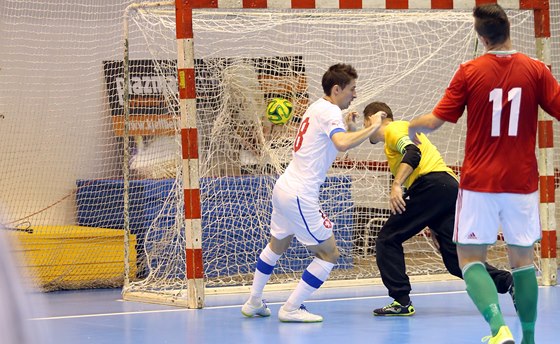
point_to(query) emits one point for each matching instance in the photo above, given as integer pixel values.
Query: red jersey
(502, 92)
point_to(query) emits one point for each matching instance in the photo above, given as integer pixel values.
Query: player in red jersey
(502, 91)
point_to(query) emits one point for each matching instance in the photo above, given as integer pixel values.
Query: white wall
(55, 127)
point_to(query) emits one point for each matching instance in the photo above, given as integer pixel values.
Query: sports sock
(483, 293)
(313, 277)
(265, 264)
(526, 296)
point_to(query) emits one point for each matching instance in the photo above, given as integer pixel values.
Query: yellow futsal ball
(279, 111)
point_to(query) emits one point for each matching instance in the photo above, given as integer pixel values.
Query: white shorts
(298, 216)
(479, 215)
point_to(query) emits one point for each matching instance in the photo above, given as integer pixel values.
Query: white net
(56, 135)
(245, 58)
(61, 128)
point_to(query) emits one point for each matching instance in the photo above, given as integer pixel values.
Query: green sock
(526, 296)
(482, 291)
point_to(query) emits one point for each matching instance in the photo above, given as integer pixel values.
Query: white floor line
(231, 306)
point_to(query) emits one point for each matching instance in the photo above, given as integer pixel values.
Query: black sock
(403, 300)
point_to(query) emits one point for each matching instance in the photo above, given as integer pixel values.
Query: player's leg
(280, 240)
(398, 229)
(521, 227)
(390, 260)
(313, 229)
(526, 289)
(480, 287)
(265, 265)
(443, 231)
(477, 227)
(316, 273)
(503, 279)
(442, 228)
(442, 221)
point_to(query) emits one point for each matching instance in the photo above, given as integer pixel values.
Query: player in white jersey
(323, 133)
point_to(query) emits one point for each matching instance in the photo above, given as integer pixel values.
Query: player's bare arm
(344, 141)
(423, 124)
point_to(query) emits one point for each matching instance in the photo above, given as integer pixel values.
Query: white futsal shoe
(299, 315)
(250, 311)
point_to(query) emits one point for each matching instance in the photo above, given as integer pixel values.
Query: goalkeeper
(429, 201)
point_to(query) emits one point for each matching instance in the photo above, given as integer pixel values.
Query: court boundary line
(339, 299)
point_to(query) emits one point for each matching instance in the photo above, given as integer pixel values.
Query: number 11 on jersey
(514, 96)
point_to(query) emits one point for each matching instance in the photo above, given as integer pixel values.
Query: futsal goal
(201, 159)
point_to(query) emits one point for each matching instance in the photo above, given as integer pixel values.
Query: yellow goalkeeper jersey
(396, 139)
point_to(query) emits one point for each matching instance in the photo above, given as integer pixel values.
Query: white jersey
(313, 150)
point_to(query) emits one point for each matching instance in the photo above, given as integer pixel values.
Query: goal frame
(189, 133)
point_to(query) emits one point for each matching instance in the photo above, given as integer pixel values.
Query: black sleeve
(412, 155)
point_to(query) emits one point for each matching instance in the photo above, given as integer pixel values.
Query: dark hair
(491, 22)
(339, 74)
(372, 108)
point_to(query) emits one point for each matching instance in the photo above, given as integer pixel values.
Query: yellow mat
(74, 257)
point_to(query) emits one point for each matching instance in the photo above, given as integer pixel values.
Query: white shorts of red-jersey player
(298, 216)
(481, 215)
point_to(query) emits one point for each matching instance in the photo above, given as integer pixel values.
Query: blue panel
(235, 219)
(225, 232)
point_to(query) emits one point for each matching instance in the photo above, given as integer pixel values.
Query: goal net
(244, 58)
(62, 95)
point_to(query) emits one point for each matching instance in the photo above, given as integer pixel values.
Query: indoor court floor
(444, 314)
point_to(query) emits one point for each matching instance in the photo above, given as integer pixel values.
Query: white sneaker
(299, 315)
(250, 311)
